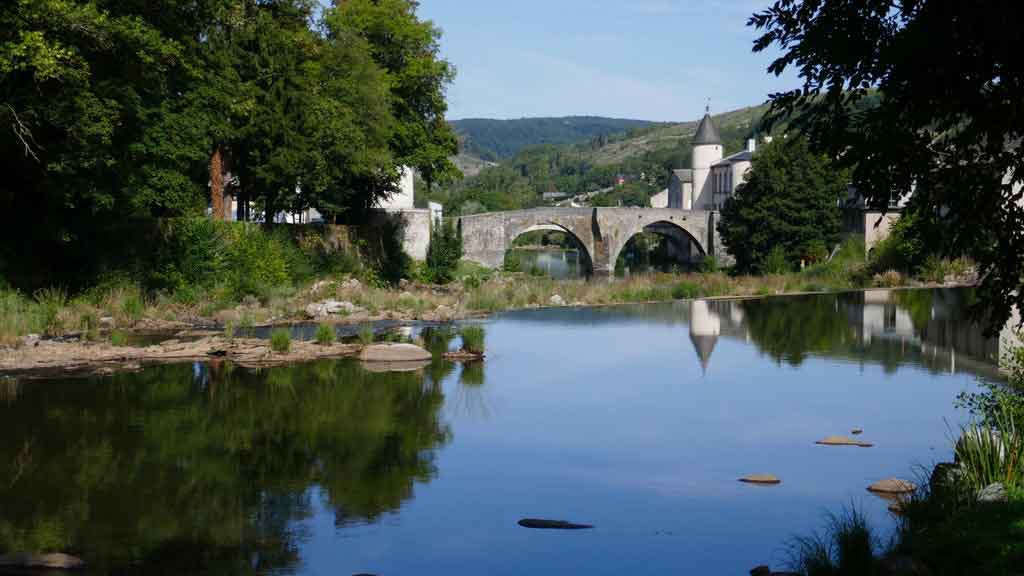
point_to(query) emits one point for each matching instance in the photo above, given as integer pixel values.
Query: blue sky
(645, 59)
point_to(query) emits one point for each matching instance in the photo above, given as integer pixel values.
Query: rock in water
(541, 524)
(56, 561)
(843, 441)
(394, 353)
(761, 479)
(857, 431)
(892, 486)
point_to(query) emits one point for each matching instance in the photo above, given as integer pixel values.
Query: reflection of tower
(705, 326)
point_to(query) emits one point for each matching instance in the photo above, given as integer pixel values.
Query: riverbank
(165, 332)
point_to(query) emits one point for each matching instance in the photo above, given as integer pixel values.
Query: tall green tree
(948, 125)
(408, 49)
(789, 201)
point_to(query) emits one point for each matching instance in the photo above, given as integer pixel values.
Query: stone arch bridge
(602, 232)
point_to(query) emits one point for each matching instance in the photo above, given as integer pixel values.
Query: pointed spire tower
(707, 149)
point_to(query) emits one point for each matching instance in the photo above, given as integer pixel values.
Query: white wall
(404, 198)
(703, 157)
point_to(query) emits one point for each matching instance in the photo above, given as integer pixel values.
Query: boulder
(58, 561)
(557, 300)
(444, 313)
(761, 479)
(351, 284)
(107, 322)
(321, 285)
(843, 441)
(992, 493)
(892, 486)
(394, 353)
(227, 316)
(336, 307)
(316, 310)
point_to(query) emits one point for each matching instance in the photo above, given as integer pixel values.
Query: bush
(50, 303)
(443, 253)
(472, 339)
(89, 324)
(324, 335)
(366, 335)
(132, 305)
(512, 263)
(280, 340)
(889, 279)
(988, 453)
(775, 262)
(709, 265)
(847, 548)
(118, 338)
(685, 291)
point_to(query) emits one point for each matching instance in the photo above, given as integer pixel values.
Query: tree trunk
(217, 184)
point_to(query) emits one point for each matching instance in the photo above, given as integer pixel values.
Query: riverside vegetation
(205, 273)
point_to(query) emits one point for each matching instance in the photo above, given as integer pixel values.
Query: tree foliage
(443, 253)
(114, 108)
(789, 202)
(948, 125)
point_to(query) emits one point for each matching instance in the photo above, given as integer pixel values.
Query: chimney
(751, 145)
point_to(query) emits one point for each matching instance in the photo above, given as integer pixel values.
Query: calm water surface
(637, 419)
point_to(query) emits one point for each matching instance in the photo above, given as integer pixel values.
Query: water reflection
(188, 468)
(556, 263)
(599, 415)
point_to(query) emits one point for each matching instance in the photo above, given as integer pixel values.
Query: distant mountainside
(495, 140)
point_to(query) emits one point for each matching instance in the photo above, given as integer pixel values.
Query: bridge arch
(586, 260)
(682, 246)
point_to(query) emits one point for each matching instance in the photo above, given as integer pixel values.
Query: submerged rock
(394, 353)
(761, 479)
(843, 441)
(58, 561)
(892, 486)
(542, 524)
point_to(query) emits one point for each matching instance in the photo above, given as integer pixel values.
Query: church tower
(707, 149)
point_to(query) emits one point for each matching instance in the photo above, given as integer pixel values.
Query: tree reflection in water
(194, 468)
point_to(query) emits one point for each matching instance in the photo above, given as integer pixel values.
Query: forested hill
(496, 140)
(621, 168)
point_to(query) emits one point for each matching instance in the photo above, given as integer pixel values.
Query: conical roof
(706, 132)
(704, 344)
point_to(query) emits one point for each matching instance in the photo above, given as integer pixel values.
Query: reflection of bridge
(601, 232)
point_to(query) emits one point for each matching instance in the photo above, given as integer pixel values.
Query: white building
(712, 178)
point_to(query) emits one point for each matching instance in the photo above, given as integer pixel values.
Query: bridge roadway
(602, 232)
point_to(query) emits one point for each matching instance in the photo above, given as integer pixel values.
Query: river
(636, 419)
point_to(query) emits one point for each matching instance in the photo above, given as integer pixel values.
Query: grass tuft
(280, 340)
(324, 335)
(472, 339)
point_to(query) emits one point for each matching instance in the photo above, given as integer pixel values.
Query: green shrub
(934, 269)
(89, 324)
(118, 338)
(443, 253)
(50, 303)
(991, 452)
(366, 335)
(132, 305)
(775, 262)
(280, 340)
(513, 262)
(709, 265)
(324, 335)
(229, 330)
(472, 339)
(685, 291)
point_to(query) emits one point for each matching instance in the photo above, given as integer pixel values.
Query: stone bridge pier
(602, 232)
